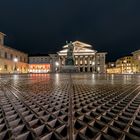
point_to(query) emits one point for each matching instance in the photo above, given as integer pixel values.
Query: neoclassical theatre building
(86, 58)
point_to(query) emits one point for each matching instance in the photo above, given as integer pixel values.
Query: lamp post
(93, 66)
(57, 65)
(15, 61)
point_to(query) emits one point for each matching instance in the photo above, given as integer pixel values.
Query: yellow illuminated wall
(125, 64)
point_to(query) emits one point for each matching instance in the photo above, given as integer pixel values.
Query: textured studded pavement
(69, 107)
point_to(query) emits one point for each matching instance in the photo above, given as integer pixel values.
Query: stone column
(60, 63)
(83, 63)
(75, 60)
(88, 64)
(93, 66)
(2, 38)
(64, 59)
(78, 59)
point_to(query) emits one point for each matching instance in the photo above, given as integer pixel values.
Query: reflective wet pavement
(74, 107)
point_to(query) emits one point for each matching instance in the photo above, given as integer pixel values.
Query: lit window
(90, 62)
(98, 68)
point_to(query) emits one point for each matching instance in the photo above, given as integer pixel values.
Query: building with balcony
(12, 60)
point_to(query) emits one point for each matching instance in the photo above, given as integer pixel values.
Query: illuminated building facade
(112, 69)
(111, 65)
(12, 60)
(136, 58)
(43, 64)
(125, 64)
(86, 59)
(39, 64)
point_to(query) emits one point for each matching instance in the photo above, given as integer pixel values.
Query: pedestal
(69, 69)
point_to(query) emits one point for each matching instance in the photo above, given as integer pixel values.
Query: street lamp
(57, 65)
(15, 60)
(93, 66)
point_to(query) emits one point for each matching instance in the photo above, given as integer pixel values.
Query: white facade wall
(39, 60)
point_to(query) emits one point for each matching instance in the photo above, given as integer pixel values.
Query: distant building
(111, 65)
(43, 63)
(12, 60)
(136, 58)
(125, 64)
(112, 69)
(86, 59)
(39, 64)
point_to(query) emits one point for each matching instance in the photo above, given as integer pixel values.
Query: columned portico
(84, 57)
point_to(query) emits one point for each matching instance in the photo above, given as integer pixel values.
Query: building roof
(10, 48)
(38, 55)
(2, 34)
(79, 44)
(79, 47)
(137, 51)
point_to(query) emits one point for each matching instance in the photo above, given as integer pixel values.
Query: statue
(70, 59)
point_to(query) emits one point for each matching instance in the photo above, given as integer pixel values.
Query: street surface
(69, 107)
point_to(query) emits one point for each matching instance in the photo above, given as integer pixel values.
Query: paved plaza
(69, 107)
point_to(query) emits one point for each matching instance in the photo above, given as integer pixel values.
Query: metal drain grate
(44, 109)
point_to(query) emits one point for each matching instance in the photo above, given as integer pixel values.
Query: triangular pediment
(79, 47)
(79, 44)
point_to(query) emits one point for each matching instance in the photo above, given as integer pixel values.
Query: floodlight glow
(15, 60)
(93, 63)
(56, 63)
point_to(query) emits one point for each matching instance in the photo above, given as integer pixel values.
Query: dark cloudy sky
(41, 26)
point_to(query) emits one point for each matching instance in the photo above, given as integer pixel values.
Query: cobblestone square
(69, 107)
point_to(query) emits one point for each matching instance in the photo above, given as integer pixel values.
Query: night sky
(43, 26)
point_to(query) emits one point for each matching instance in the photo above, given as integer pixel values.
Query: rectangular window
(11, 56)
(81, 62)
(5, 55)
(5, 67)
